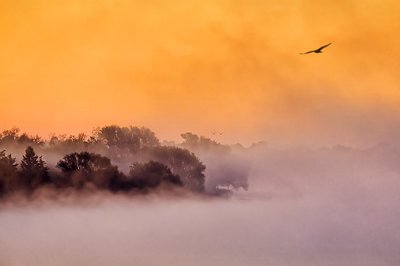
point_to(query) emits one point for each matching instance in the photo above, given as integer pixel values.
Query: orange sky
(233, 66)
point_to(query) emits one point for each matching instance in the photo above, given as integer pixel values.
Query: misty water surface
(332, 207)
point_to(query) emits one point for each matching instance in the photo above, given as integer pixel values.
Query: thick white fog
(334, 206)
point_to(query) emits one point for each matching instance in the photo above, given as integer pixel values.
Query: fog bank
(336, 206)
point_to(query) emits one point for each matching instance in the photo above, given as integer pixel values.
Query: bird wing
(322, 47)
(317, 50)
(308, 52)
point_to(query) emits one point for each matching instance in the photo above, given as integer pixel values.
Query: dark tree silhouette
(86, 167)
(152, 174)
(8, 173)
(183, 163)
(145, 176)
(131, 138)
(33, 170)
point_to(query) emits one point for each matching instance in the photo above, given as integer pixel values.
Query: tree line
(118, 159)
(83, 170)
(93, 161)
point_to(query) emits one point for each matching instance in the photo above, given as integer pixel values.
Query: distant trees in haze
(132, 139)
(182, 162)
(87, 162)
(12, 138)
(94, 161)
(194, 142)
(225, 169)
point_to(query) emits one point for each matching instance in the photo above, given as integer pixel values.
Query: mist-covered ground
(328, 206)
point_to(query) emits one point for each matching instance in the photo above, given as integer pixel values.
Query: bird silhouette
(317, 51)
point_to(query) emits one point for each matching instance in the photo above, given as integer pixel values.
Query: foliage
(84, 167)
(131, 138)
(183, 163)
(8, 173)
(87, 161)
(152, 174)
(33, 170)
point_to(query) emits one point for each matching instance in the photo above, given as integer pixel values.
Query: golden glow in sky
(203, 66)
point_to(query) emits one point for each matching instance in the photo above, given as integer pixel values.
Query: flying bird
(317, 51)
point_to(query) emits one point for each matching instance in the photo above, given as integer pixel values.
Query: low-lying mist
(327, 206)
